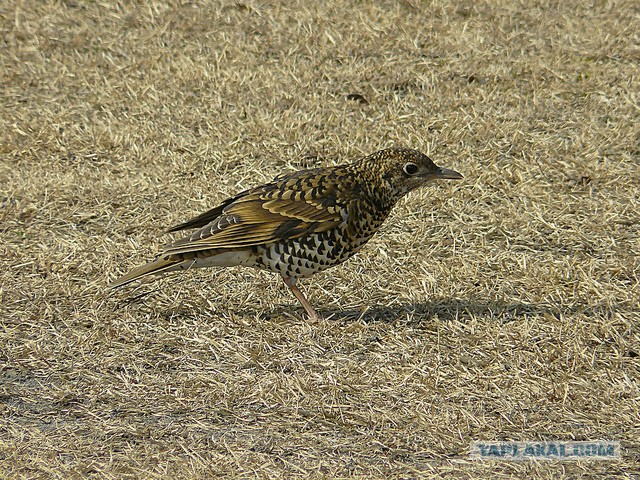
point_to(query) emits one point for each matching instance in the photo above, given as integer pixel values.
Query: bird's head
(404, 169)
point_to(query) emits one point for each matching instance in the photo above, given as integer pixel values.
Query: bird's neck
(375, 187)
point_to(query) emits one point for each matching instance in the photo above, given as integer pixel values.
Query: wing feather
(288, 208)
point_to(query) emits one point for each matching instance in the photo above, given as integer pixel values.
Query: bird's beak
(447, 174)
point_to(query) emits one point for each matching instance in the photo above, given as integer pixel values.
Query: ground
(502, 307)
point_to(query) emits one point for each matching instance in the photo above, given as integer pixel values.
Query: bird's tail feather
(157, 266)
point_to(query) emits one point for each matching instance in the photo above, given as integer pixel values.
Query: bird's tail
(162, 264)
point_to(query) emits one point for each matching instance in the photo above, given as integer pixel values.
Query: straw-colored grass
(504, 307)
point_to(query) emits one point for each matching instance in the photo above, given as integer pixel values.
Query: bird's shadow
(445, 309)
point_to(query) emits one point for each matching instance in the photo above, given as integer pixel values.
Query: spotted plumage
(299, 223)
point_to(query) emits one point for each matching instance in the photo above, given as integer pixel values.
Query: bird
(300, 223)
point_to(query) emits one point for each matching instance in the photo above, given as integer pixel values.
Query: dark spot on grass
(356, 97)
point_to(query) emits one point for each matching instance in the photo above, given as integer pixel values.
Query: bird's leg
(291, 283)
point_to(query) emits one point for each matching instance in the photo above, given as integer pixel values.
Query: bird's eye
(410, 168)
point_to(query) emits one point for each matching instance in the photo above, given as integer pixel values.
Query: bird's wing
(210, 215)
(206, 217)
(290, 207)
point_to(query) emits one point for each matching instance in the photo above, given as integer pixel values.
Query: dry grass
(502, 307)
